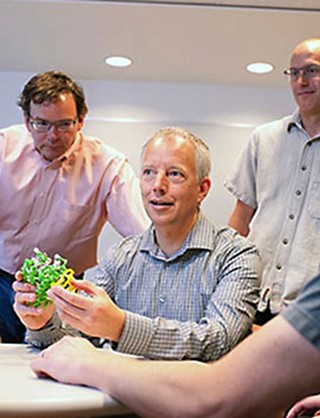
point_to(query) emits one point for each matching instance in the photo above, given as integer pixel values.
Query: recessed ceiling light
(260, 67)
(118, 61)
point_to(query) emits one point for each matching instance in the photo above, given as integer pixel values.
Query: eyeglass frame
(47, 128)
(305, 71)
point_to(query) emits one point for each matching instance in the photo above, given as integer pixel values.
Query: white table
(22, 394)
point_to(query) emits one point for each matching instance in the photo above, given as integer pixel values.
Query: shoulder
(267, 139)
(120, 256)
(271, 129)
(235, 253)
(15, 139)
(96, 147)
(15, 133)
(238, 253)
(124, 250)
(231, 241)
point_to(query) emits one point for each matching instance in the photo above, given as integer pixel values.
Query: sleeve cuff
(303, 323)
(47, 335)
(136, 335)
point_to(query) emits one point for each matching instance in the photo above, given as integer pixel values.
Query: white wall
(125, 114)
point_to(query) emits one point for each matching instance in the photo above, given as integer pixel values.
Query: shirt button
(291, 216)
(298, 192)
(303, 168)
(278, 266)
(162, 299)
(285, 241)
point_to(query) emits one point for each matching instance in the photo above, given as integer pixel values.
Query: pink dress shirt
(62, 205)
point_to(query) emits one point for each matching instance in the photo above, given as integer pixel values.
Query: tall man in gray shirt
(181, 290)
(276, 183)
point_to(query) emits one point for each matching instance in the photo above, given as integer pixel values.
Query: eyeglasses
(308, 72)
(41, 125)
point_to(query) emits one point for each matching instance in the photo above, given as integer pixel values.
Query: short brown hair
(46, 87)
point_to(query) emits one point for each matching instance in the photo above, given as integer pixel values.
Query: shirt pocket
(314, 200)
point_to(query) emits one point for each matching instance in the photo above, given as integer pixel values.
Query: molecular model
(41, 272)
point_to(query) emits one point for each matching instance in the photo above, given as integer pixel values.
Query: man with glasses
(58, 187)
(277, 185)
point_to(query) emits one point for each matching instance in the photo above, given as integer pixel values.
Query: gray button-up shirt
(278, 174)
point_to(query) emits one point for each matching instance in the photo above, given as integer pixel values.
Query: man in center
(181, 290)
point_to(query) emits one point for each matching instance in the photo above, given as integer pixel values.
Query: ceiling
(207, 42)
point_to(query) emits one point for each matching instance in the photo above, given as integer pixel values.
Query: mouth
(302, 93)
(159, 203)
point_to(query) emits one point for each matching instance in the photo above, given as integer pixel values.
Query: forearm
(163, 339)
(283, 369)
(239, 225)
(279, 362)
(150, 389)
(241, 217)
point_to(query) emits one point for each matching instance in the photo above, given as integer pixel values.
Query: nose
(160, 184)
(302, 78)
(52, 132)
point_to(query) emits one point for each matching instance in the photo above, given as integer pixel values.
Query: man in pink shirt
(58, 187)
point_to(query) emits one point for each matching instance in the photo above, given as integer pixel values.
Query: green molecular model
(41, 272)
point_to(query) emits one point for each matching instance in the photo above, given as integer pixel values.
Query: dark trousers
(11, 329)
(262, 318)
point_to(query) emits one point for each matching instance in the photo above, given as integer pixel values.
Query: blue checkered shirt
(196, 304)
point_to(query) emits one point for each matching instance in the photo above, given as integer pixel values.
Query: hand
(33, 318)
(64, 361)
(96, 314)
(307, 407)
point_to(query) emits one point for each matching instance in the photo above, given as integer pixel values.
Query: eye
(312, 71)
(176, 176)
(148, 173)
(64, 124)
(175, 173)
(294, 72)
(41, 123)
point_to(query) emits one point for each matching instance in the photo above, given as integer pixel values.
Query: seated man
(181, 290)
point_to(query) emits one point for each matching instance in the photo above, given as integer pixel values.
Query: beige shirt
(62, 205)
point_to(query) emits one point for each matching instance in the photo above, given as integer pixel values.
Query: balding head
(308, 46)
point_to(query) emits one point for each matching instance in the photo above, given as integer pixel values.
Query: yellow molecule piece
(65, 279)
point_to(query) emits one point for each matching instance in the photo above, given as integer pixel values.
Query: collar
(74, 147)
(67, 155)
(294, 121)
(200, 237)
